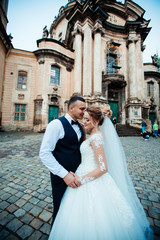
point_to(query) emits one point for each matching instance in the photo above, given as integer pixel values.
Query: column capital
(132, 37)
(77, 30)
(98, 28)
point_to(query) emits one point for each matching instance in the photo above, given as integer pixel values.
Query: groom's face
(77, 109)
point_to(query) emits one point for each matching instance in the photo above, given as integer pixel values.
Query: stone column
(134, 104)
(87, 60)
(78, 60)
(132, 69)
(98, 31)
(106, 90)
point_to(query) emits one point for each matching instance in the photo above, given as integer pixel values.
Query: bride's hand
(77, 178)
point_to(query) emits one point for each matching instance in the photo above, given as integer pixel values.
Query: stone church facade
(93, 49)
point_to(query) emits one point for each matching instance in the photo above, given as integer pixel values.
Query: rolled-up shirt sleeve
(53, 133)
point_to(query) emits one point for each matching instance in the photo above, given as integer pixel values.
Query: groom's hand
(78, 182)
(70, 180)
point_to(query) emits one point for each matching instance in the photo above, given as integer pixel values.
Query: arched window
(55, 75)
(22, 80)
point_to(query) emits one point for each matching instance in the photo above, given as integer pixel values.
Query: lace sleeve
(97, 145)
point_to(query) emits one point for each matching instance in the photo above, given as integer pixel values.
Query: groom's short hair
(74, 99)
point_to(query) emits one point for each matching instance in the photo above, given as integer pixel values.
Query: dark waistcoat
(67, 151)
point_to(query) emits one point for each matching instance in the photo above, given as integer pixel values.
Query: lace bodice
(93, 158)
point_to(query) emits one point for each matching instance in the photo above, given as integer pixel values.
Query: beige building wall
(77, 44)
(17, 61)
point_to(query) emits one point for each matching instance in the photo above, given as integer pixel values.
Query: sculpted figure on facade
(154, 59)
(45, 32)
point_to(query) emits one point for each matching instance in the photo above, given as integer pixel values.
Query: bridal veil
(118, 169)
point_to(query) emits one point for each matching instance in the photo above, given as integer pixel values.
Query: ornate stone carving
(154, 59)
(45, 32)
(77, 30)
(98, 28)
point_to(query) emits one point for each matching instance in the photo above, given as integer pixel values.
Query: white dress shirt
(53, 133)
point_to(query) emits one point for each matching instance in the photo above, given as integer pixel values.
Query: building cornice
(66, 61)
(4, 38)
(54, 41)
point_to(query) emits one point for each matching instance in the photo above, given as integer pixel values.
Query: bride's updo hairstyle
(96, 114)
(106, 110)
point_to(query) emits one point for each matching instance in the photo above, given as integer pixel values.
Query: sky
(27, 19)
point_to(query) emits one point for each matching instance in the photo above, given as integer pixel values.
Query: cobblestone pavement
(25, 191)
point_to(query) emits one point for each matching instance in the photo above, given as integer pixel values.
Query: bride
(105, 206)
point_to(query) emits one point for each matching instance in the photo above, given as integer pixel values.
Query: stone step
(127, 130)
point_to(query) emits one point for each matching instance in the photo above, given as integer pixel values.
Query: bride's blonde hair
(96, 114)
(106, 110)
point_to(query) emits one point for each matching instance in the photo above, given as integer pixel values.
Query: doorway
(53, 113)
(152, 117)
(114, 108)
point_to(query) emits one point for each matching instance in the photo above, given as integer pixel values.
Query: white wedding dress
(97, 210)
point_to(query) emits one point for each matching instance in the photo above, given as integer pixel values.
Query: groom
(60, 149)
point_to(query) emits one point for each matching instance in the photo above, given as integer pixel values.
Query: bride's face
(88, 122)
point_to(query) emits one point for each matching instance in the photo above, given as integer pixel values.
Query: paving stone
(28, 206)
(153, 198)
(26, 196)
(4, 205)
(45, 216)
(44, 237)
(3, 215)
(157, 205)
(36, 223)
(12, 199)
(27, 218)
(14, 225)
(146, 202)
(42, 196)
(7, 189)
(5, 196)
(25, 231)
(35, 194)
(12, 208)
(40, 190)
(19, 194)
(28, 191)
(13, 191)
(157, 223)
(154, 214)
(35, 236)
(12, 237)
(34, 200)
(42, 204)
(3, 234)
(46, 228)
(20, 202)
(20, 212)
(48, 199)
(35, 211)
(5, 220)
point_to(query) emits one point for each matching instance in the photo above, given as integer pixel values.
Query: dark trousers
(58, 189)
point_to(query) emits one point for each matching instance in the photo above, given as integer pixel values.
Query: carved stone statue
(10, 37)
(45, 32)
(154, 59)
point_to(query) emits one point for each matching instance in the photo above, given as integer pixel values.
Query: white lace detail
(102, 165)
(98, 140)
(86, 179)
